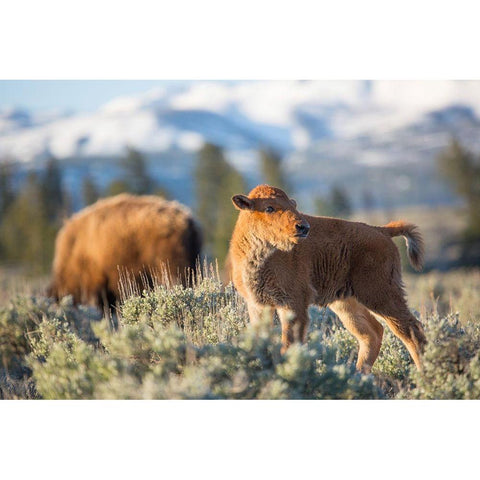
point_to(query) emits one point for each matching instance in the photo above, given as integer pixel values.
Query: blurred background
(371, 151)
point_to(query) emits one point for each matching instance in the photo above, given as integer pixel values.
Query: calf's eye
(269, 209)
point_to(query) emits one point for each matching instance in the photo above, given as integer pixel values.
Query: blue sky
(74, 95)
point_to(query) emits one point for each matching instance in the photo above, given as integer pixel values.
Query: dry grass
(17, 282)
(443, 293)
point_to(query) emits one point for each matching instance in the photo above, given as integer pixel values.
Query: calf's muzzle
(302, 229)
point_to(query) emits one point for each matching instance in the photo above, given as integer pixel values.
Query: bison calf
(137, 235)
(282, 259)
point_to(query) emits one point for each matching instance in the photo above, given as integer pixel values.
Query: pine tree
(90, 192)
(209, 173)
(27, 234)
(162, 192)
(323, 207)
(136, 174)
(7, 192)
(216, 181)
(52, 195)
(368, 200)
(272, 169)
(336, 204)
(136, 178)
(340, 202)
(460, 167)
(232, 184)
(117, 187)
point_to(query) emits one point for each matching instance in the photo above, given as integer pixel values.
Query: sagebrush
(195, 343)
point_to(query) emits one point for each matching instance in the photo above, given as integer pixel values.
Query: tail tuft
(415, 245)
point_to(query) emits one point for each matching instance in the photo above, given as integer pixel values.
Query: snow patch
(241, 116)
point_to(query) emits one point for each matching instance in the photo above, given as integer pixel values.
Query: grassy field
(196, 343)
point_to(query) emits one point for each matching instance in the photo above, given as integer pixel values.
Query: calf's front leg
(257, 313)
(294, 325)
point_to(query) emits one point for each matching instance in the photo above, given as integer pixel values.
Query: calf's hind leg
(406, 327)
(390, 304)
(364, 327)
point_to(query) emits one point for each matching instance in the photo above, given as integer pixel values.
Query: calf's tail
(415, 245)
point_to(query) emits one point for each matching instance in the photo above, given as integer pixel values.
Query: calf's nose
(302, 228)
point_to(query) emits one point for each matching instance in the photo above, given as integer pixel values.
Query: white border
(239, 40)
(239, 439)
(252, 39)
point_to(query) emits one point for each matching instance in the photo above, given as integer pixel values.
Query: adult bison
(140, 237)
(282, 259)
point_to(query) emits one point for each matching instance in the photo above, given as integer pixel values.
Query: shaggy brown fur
(284, 260)
(133, 235)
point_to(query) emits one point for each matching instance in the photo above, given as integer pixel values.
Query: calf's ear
(293, 202)
(242, 202)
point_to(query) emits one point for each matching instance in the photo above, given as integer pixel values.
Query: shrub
(207, 312)
(35, 324)
(187, 343)
(451, 361)
(195, 343)
(141, 361)
(393, 362)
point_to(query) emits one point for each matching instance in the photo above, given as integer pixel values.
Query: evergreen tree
(272, 169)
(323, 207)
(216, 181)
(340, 202)
(136, 172)
(117, 186)
(27, 234)
(209, 173)
(7, 193)
(232, 184)
(90, 192)
(336, 204)
(136, 178)
(460, 167)
(51, 190)
(368, 200)
(162, 192)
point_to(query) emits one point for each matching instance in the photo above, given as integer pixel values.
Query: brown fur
(352, 267)
(137, 236)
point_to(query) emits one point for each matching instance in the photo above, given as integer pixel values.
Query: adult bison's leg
(294, 325)
(364, 327)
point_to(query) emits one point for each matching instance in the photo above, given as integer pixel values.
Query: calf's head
(272, 217)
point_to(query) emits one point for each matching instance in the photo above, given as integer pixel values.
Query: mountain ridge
(285, 116)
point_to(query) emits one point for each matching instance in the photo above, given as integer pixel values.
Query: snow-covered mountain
(288, 116)
(376, 136)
